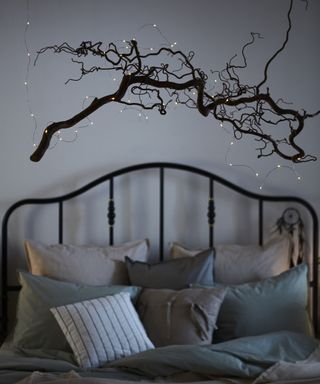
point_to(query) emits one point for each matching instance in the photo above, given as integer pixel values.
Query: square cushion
(172, 274)
(187, 316)
(102, 329)
(237, 264)
(84, 264)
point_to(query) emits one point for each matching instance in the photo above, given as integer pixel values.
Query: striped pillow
(102, 330)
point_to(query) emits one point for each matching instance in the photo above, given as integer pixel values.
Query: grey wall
(214, 29)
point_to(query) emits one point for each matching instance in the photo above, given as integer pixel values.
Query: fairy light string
(141, 114)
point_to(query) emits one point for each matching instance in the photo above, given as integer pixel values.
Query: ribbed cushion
(102, 329)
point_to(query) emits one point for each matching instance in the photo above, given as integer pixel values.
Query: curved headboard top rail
(161, 166)
(165, 165)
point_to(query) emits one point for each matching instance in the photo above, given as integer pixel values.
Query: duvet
(281, 357)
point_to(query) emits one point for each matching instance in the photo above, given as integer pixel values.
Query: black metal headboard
(161, 168)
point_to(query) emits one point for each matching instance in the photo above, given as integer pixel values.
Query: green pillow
(274, 304)
(174, 273)
(36, 327)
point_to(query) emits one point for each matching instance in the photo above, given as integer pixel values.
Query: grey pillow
(172, 274)
(187, 316)
(36, 327)
(274, 304)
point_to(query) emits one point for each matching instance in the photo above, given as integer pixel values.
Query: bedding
(254, 359)
(172, 274)
(84, 264)
(274, 304)
(34, 319)
(236, 264)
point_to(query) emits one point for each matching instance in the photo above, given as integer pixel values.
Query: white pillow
(102, 330)
(84, 264)
(238, 264)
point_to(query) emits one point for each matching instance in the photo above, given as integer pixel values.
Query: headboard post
(111, 212)
(211, 212)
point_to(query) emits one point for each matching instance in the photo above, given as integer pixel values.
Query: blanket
(281, 357)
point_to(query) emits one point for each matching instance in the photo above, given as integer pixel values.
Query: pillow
(172, 274)
(237, 264)
(180, 317)
(275, 304)
(35, 327)
(102, 330)
(86, 264)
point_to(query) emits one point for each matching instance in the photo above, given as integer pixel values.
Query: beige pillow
(187, 316)
(85, 264)
(237, 264)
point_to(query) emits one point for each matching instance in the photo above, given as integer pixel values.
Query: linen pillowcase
(35, 326)
(172, 274)
(102, 330)
(86, 264)
(278, 303)
(237, 264)
(187, 316)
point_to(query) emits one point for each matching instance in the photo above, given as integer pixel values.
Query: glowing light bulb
(147, 117)
(278, 166)
(230, 164)
(257, 174)
(231, 143)
(28, 22)
(91, 122)
(25, 83)
(154, 25)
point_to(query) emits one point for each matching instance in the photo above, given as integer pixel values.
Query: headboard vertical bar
(161, 214)
(60, 222)
(111, 212)
(260, 222)
(211, 212)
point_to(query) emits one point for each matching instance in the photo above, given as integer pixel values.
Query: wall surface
(214, 29)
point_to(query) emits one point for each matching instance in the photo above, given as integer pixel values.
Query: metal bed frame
(161, 168)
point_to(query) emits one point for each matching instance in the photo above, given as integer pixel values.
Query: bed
(159, 310)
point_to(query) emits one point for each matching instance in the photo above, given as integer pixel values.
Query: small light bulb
(278, 166)
(28, 22)
(121, 110)
(299, 178)
(260, 187)
(31, 114)
(215, 80)
(28, 54)
(25, 83)
(230, 164)
(60, 138)
(257, 174)
(112, 98)
(221, 125)
(87, 97)
(34, 144)
(231, 143)
(129, 101)
(139, 115)
(123, 41)
(151, 49)
(76, 131)
(155, 25)
(114, 79)
(91, 122)
(147, 117)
